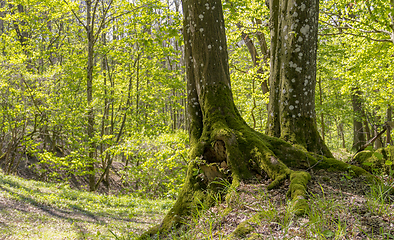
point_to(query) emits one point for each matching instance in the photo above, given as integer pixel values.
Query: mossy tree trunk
(291, 113)
(223, 146)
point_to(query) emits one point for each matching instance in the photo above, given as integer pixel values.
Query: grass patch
(340, 208)
(37, 210)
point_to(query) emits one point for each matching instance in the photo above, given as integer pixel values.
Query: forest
(196, 119)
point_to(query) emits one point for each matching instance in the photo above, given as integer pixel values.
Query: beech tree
(291, 114)
(223, 146)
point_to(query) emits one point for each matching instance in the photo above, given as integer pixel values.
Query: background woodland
(94, 88)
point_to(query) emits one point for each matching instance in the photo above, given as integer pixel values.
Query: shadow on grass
(73, 213)
(50, 210)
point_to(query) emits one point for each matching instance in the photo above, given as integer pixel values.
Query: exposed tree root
(236, 154)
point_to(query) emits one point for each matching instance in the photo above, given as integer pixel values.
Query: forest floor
(341, 207)
(35, 210)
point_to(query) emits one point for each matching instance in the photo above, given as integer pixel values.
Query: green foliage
(138, 83)
(246, 81)
(154, 167)
(355, 51)
(139, 91)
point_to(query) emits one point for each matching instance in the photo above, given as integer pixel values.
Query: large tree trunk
(291, 113)
(223, 147)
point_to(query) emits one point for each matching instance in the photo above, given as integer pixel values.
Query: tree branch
(76, 16)
(105, 22)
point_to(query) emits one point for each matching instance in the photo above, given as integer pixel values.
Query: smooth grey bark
(206, 60)
(292, 117)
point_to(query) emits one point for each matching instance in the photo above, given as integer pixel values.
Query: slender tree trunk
(388, 131)
(367, 129)
(358, 130)
(105, 118)
(378, 143)
(2, 14)
(322, 114)
(128, 107)
(255, 56)
(341, 134)
(256, 62)
(137, 102)
(89, 94)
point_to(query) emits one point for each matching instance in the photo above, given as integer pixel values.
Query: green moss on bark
(192, 195)
(246, 153)
(297, 191)
(376, 161)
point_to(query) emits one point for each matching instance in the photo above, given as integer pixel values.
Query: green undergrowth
(155, 166)
(37, 210)
(147, 166)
